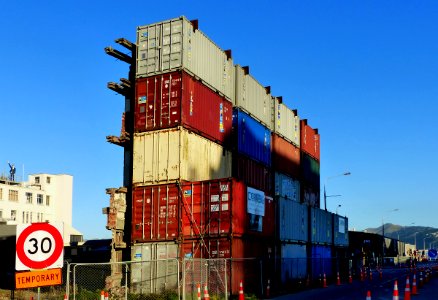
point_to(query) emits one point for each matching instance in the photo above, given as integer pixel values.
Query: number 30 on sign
(39, 246)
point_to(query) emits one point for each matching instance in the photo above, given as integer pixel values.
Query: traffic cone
(324, 282)
(350, 279)
(106, 295)
(241, 295)
(407, 290)
(338, 280)
(102, 295)
(206, 295)
(65, 297)
(414, 286)
(199, 291)
(368, 295)
(395, 292)
(421, 280)
(380, 274)
(371, 274)
(268, 289)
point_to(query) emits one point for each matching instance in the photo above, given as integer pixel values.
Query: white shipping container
(253, 98)
(176, 44)
(287, 187)
(286, 123)
(154, 267)
(170, 155)
(293, 262)
(293, 220)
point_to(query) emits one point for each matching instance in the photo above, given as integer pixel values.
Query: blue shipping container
(252, 138)
(321, 261)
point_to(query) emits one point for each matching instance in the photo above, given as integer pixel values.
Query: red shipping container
(253, 173)
(190, 210)
(285, 156)
(310, 140)
(246, 254)
(176, 98)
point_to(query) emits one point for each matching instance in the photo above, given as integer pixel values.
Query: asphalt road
(380, 288)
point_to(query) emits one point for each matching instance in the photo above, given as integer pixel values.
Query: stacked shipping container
(221, 168)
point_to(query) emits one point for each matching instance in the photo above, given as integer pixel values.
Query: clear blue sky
(365, 73)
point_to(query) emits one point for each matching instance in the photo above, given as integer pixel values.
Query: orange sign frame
(38, 278)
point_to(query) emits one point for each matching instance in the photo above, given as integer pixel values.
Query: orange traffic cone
(368, 295)
(268, 289)
(395, 292)
(199, 291)
(102, 295)
(421, 280)
(371, 274)
(106, 295)
(338, 280)
(65, 297)
(241, 295)
(350, 279)
(414, 286)
(407, 290)
(206, 295)
(324, 282)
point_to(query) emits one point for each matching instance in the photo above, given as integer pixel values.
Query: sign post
(39, 251)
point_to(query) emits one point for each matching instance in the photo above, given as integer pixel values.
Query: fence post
(67, 286)
(126, 281)
(183, 278)
(261, 276)
(226, 278)
(74, 282)
(177, 278)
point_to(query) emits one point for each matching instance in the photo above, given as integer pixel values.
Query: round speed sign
(39, 246)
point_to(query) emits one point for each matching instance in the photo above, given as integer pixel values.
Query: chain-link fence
(158, 279)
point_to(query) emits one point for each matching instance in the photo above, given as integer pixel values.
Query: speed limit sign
(39, 246)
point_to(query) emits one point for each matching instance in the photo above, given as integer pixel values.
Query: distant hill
(409, 234)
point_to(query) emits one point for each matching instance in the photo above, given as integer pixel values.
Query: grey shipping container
(321, 224)
(340, 230)
(154, 267)
(293, 220)
(286, 122)
(293, 262)
(287, 187)
(177, 44)
(253, 98)
(171, 155)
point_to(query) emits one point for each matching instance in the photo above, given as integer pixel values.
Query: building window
(1, 214)
(47, 200)
(1, 194)
(30, 217)
(29, 198)
(48, 179)
(39, 199)
(37, 180)
(13, 195)
(22, 218)
(13, 215)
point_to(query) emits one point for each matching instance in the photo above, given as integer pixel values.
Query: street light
(327, 179)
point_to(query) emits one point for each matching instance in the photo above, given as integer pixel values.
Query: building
(43, 198)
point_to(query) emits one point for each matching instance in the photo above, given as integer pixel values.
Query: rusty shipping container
(321, 224)
(310, 140)
(285, 156)
(253, 98)
(310, 196)
(252, 138)
(293, 221)
(287, 187)
(177, 154)
(310, 170)
(195, 209)
(173, 99)
(340, 230)
(177, 44)
(286, 122)
(254, 174)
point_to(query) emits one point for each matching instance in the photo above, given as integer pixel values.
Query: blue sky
(364, 73)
